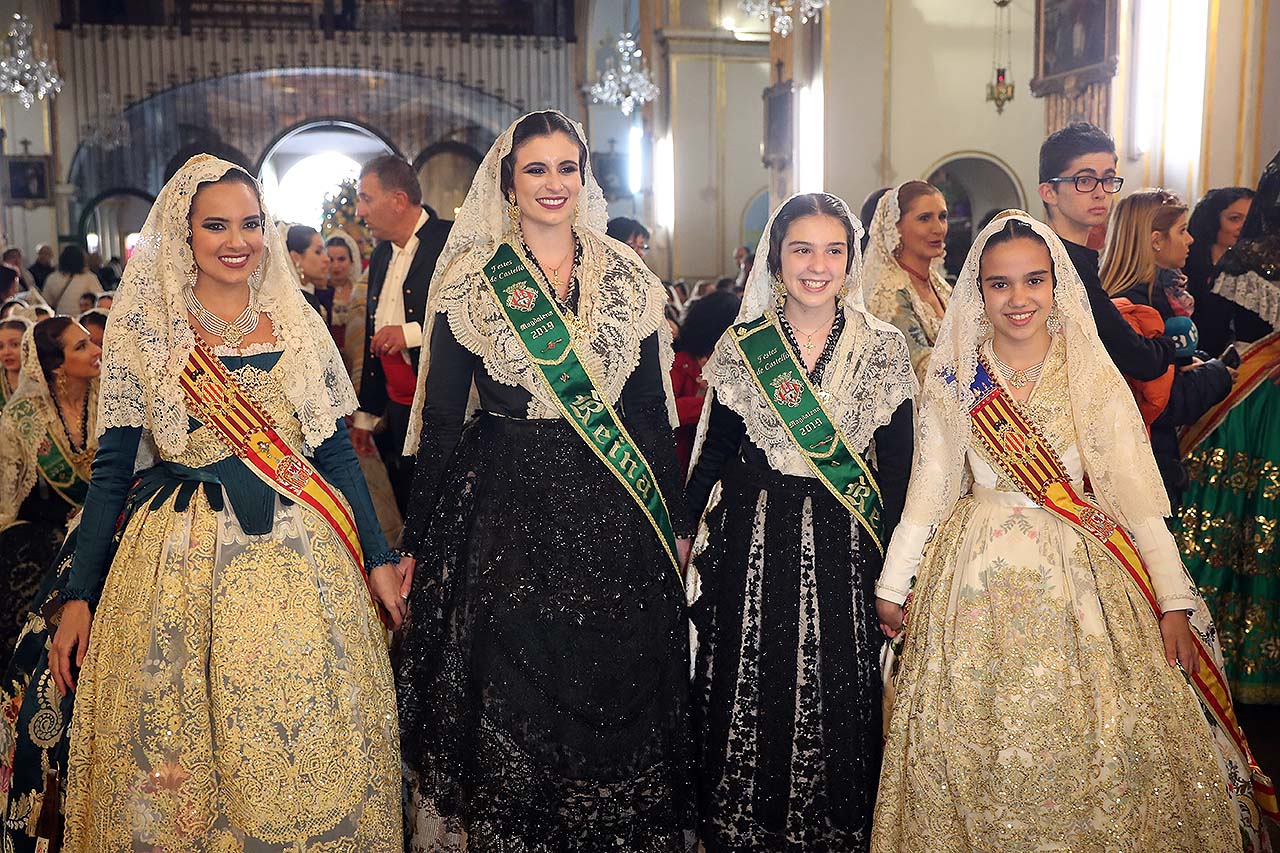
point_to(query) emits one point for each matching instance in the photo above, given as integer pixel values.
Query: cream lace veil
(148, 337)
(882, 276)
(1110, 434)
(624, 299)
(353, 249)
(868, 377)
(28, 417)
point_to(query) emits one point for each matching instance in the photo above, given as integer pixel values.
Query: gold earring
(513, 212)
(843, 293)
(1054, 323)
(191, 276)
(779, 292)
(60, 383)
(984, 326)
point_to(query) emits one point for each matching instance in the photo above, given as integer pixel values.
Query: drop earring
(984, 326)
(513, 212)
(1054, 322)
(779, 292)
(191, 276)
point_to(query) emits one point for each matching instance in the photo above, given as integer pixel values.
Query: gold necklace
(807, 346)
(555, 271)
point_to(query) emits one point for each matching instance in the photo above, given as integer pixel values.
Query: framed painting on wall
(28, 179)
(1075, 45)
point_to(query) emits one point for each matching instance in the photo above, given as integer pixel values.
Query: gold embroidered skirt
(236, 695)
(1035, 709)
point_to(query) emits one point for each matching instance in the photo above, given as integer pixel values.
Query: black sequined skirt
(786, 694)
(542, 677)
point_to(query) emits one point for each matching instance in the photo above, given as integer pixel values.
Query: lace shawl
(884, 278)
(149, 338)
(28, 418)
(621, 300)
(1251, 268)
(867, 378)
(1112, 439)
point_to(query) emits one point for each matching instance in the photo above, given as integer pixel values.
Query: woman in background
(903, 283)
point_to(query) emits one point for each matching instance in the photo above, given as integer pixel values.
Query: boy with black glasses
(1078, 182)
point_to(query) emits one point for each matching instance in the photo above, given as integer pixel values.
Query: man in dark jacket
(1078, 181)
(390, 202)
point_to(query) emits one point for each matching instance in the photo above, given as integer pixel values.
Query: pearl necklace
(1017, 378)
(232, 333)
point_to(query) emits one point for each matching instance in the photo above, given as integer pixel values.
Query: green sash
(544, 334)
(784, 384)
(58, 471)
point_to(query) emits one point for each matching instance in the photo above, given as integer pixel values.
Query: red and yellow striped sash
(218, 402)
(1030, 461)
(1257, 365)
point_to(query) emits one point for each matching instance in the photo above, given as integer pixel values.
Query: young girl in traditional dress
(1042, 695)
(803, 392)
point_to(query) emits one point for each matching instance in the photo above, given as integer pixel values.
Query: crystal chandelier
(783, 12)
(106, 127)
(25, 72)
(625, 82)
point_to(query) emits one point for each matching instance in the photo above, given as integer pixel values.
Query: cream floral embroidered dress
(1034, 707)
(237, 694)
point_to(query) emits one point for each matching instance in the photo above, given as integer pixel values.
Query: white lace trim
(611, 275)
(1112, 438)
(1253, 292)
(621, 305)
(868, 377)
(251, 349)
(148, 337)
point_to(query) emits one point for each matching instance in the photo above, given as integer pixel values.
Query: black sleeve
(725, 430)
(895, 443)
(1136, 356)
(449, 377)
(1196, 391)
(644, 406)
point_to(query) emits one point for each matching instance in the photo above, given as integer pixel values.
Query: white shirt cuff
(412, 335)
(901, 561)
(365, 421)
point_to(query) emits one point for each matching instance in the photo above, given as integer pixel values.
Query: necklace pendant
(1018, 378)
(232, 336)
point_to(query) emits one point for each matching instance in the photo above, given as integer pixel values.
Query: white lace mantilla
(620, 298)
(868, 377)
(149, 338)
(1253, 292)
(620, 301)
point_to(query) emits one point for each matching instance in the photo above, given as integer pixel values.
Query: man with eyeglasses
(1078, 183)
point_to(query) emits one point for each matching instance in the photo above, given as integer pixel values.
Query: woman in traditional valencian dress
(902, 281)
(1042, 697)
(236, 692)
(11, 331)
(543, 673)
(1228, 525)
(787, 693)
(47, 442)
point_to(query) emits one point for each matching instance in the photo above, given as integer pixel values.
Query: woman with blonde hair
(1147, 246)
(902, 282)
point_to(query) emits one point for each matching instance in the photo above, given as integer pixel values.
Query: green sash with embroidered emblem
(814, 434)
(543, 333)
(59, 472)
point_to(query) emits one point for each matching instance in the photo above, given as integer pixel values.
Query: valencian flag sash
(543, 333)
(813, 432)
(58, 469)
(219, 403)
(1258, 364)
(1023, 453)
